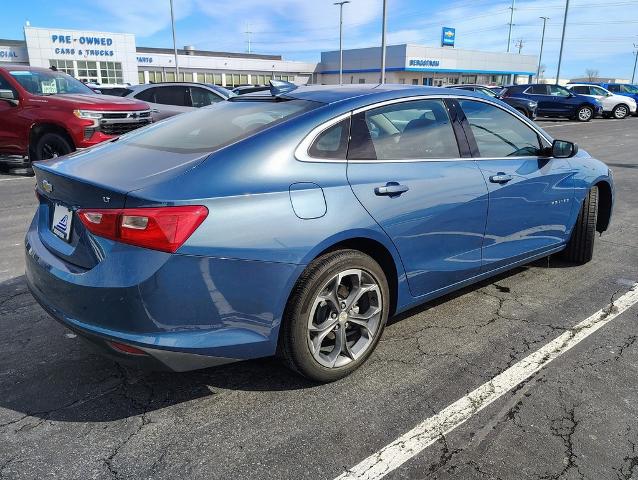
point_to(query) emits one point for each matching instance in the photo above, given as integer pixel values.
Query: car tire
(580, 248)
(50, 145)
(319, 338)
(620, 112)
(584, 113)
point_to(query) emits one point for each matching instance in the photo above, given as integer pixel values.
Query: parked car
(556, 101)
(524, 105)
(614, 106)
(623, 89)
(168, 99)
(233, 232)
(45, 113)
(115, 90)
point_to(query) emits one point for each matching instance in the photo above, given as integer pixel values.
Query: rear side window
(614, 88)
(498, 133)
(174, 95)
(558, 91)
(404, 131)
(332, 143)
(209, 129)
(147, 95)
(537, 90)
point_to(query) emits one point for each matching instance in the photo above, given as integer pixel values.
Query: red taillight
(161, 228)
(128, 349)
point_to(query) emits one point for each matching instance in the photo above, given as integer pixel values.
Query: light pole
(562, 41)
(633, 75)
(540, 56)
(385, 13)
(174, 43)
(341, 4)
(509, 36)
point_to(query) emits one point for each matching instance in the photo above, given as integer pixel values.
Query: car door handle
(391, 189)
(500, 178)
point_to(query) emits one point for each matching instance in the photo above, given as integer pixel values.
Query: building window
(362, 80)
(170, 76)
(415, 81)
(88, 72)
(243, 79)
(401, 81)
(154, 77)
(140, 78)
(186, 76)
(65, 66)
(111, 72)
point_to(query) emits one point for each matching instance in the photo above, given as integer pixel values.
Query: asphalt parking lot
(66, 412)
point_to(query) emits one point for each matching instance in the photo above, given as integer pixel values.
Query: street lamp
(385, 14)
(174, 43)
(540, 56)
(562, 42)
(341, 4)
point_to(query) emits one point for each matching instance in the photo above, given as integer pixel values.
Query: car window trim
(301, 152)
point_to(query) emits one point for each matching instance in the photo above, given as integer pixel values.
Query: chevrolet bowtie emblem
(46, 186)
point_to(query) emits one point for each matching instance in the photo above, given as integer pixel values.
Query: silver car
(614, 106)
(168, 99)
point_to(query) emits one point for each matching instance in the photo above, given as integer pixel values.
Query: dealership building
(114, 58)
(423, 65)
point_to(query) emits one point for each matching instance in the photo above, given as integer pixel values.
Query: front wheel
(584, 114)
(580, 248)
(50, 145)
(335, 315)
(620, 112)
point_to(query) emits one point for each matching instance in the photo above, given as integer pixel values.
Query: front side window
(147, 95)
(409, 130)
(558, 91)
(332, 143)
(45, 82)
(598, 91)
(498, 133)
(201, 97)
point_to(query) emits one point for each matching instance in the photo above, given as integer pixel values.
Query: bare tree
(591, 74)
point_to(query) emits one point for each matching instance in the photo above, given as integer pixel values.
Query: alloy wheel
(620, 112)
(585, 114)
(345, 318)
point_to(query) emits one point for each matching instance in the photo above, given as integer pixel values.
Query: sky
(600, 35)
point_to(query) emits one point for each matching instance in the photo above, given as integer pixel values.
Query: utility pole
(519, 45)
(341, 4)
(633, 76)
(248, 32)
(383, 27)
(174, 43)
(509, 36)
(540, 56)
(562, 41)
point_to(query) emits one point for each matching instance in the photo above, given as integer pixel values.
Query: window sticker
(49, 87)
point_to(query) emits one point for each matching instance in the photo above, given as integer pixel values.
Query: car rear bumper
(185, 312)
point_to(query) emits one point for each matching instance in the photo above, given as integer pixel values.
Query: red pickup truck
(46, 113)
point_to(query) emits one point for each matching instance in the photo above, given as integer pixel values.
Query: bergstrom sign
(423, 63)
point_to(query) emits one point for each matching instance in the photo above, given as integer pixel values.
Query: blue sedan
(295, 224)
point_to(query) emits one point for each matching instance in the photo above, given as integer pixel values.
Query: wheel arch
(605, 204)
(39, 129)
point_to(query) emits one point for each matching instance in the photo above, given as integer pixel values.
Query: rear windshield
(49, 83)
(211, 128)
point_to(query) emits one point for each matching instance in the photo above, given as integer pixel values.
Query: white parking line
(407, 446)
(17, 178)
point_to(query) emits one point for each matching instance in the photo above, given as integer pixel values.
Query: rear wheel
(50, 145)
(620, 111)
(580, 248)
(335, 316)
(584, 114)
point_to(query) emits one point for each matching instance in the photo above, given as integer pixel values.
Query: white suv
(614, 106)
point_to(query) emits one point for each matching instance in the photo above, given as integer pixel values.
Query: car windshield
(629, 88)
(39, 82)
(487, 92)
(214, 127)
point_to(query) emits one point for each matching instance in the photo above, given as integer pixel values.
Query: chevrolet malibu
(295, 224)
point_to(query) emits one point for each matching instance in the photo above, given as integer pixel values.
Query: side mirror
(9, 96)
(564, 149)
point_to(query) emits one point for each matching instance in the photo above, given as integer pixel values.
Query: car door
(201, 97)
(563, 105)
(12, 128)
(530, 195)
(540, 93)
(408, 169)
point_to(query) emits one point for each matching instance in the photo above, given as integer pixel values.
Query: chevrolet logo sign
(46, 186)
(133, 115)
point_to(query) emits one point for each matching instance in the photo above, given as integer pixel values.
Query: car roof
(366, 92)
(19, 67)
